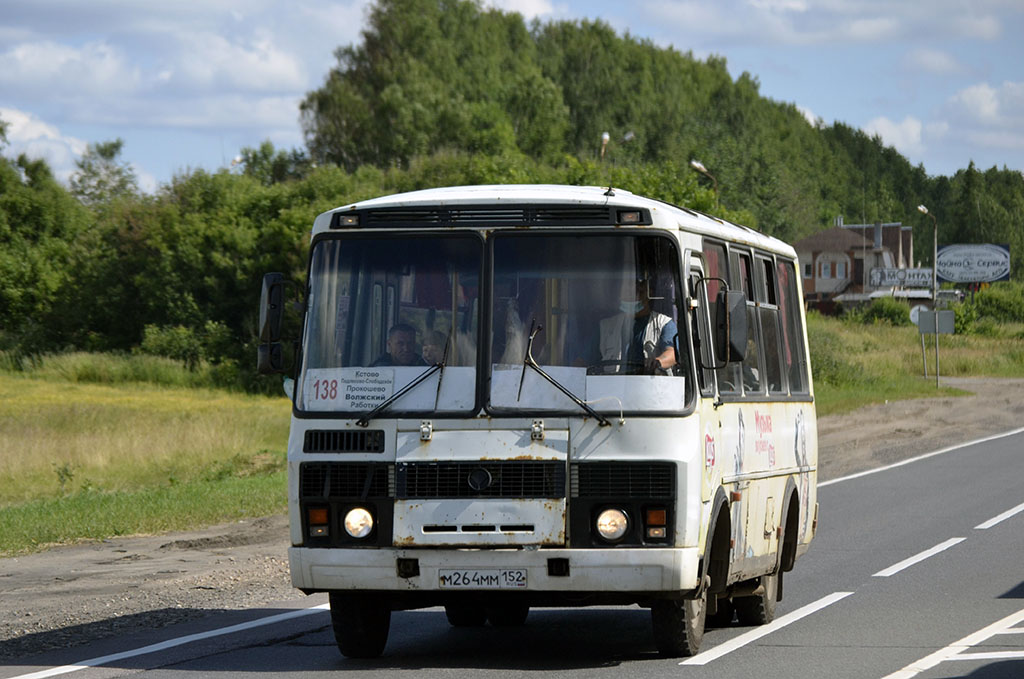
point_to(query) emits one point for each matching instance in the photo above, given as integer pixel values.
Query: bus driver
(638, 339)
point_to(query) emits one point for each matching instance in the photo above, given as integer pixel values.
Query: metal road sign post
(935, 322)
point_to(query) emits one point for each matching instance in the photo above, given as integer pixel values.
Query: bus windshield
(381, 311)
(609, 322)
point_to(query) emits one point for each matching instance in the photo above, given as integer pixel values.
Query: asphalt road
(917, 571)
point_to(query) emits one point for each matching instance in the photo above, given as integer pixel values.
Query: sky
(188, 84)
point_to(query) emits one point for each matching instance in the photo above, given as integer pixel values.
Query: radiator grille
(343, 441)
(330, 480)
(513, 479)
(626, 480)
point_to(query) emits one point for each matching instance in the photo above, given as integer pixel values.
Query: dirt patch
(71, 595)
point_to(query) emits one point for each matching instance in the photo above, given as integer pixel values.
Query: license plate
(482, 578)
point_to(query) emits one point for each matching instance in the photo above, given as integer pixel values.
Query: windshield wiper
(528, 361)
(364, 421)
(440, 366)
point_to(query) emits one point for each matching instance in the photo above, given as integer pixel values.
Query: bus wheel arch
(790, 524)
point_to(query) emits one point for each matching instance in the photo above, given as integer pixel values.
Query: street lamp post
(935, 255)
(699, 167)
(935, 286)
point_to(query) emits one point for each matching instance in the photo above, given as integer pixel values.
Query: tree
(272, 167)
(101, 178)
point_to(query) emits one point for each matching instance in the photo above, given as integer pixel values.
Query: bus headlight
(358, 522)
(612, 524)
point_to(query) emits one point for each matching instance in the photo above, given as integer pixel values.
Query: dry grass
(60, 437)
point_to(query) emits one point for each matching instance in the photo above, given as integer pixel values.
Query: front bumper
(641, 571)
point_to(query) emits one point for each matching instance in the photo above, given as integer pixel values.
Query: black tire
(508, 615)
(465, 616)
(760, 608)
(679, 626)
(361, 624)
(723, 616)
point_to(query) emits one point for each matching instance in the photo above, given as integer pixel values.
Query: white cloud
(96, 67)
(808, 114)
(27, 134)
(528, 8)
(211, 61)
(779, 5)
(801, 22)
(933, 61)
(980, 27)
(978, 103)
(904, 136)
(989, 117)
(872, 29)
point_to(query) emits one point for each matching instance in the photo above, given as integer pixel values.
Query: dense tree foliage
(443, 92)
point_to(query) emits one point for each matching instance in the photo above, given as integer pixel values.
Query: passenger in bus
(401, 347)
(433, 347)
(638, 340)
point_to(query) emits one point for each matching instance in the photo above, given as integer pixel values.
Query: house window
(808, 270)
(840, 269)
(825, 270)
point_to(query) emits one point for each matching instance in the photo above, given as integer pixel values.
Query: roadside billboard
(911, 278)
(977, 263)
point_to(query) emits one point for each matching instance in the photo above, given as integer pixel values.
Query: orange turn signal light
(656, 517)
(317, 515)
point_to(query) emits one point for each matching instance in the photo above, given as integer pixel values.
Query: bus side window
(718, 268)
(792, 329)
(768, 311)
(753, 377)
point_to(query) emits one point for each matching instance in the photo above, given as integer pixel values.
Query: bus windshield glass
(382, 311)
(609, 323)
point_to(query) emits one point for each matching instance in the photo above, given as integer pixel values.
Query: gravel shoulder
(71, 595)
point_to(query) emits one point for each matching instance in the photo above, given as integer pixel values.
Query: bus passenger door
(707, 413)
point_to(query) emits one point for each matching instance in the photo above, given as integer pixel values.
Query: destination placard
(347, 388)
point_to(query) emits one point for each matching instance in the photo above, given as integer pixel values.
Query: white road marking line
(907, 563)
(955, 649)
(1002, 517)
(171, 643)
(755, 634)
(858, 475)
(989, 655)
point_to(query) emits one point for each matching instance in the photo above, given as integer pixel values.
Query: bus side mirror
(731, 321)
(270, 360)
(271, 357)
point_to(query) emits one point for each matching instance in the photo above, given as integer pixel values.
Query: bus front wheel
(679, 625)
(361, 624)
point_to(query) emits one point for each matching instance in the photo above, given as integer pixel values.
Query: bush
(887, 310)
(828, 357)
(188, 345)
(965, 318)
(1003, 303)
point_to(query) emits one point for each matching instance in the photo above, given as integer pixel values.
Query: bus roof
(662, 215)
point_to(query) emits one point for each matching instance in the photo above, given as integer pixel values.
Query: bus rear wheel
(361, 624)
(508, 615)
(465, 616)
(679, 625)
(759, 609)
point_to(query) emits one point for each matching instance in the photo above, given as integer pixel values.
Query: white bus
(521, 396)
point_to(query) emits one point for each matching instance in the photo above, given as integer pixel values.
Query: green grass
(857, 364)
(90, 449)
(92, 514)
